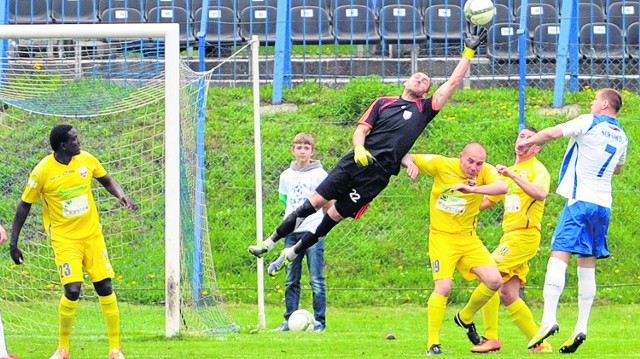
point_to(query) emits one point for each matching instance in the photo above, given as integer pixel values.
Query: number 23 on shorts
(65, 270)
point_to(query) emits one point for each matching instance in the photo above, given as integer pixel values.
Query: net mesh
(114, 97)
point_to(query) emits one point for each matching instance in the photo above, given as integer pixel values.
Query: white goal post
(170, 34)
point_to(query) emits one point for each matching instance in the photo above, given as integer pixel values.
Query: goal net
(140, 110)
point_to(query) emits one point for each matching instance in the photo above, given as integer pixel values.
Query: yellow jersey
(521, 210)
(455, 212)
(68, 207)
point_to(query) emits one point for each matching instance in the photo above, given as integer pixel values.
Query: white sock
(553, 287)
(3, 345)
(586, 294)
(269, 243)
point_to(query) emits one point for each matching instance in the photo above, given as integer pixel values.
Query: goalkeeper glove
(361, 156)
(16, 254)
(473, 37)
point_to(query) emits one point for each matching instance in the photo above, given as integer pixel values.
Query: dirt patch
(284, 107)
(570, 111)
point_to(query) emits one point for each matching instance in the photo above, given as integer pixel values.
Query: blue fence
(333, 40)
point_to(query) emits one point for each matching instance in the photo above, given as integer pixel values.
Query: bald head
(472, 158)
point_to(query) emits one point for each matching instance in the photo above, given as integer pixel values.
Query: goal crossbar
(170, 33)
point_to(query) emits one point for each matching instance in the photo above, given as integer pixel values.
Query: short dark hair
(614, 98)
(59, 134)
(532, 129)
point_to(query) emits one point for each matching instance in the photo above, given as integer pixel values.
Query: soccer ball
(301, 320)
(479, 12)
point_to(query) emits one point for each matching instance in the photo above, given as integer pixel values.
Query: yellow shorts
(450, 251)
(71, 256)
(515, 250)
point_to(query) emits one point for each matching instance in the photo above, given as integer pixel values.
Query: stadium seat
(588, 13)
(425, 4)
(553, 3)
(121, 4)
(21, 12)
(401, 24)
(502, 43)
(539, 14)
(244, 4)
(317, 3)
(75, 12)
(172, 14)
(624, 13)
(545, 41)
(310, 25)
(510, 4)
(444, 23)
(121, 16)
(632, 37)
(185, 4)
(259, 21)
(503, 14)
(600, 41)
(355, 24)
(222, 25)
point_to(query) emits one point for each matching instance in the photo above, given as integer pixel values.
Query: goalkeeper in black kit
(385, 133)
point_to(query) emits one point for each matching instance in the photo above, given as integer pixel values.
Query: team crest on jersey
(406, 114)
(523, 174)
(472, 182)
(83, 171)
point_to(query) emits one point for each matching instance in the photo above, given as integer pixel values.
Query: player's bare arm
(22, 211)
(486, 204)
(531, 189)
(412, 169)
(539, 138)
(618, 169)
(473, 37)
(116, 190)
(495, 188)
(3, 234)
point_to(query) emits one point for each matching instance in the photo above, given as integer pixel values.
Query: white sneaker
(116, 354)
(546, 330)
(61, 353)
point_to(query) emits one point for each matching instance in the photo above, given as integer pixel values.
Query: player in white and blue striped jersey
(597, 150)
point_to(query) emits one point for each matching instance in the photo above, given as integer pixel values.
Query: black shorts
(353, 186)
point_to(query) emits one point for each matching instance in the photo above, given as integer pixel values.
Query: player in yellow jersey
(459, 185)
(62, 180)
(528, 181)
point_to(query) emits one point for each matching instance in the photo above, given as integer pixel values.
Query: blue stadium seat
(310, 25)
(601, 40)
(355, 24)
(259, 21)
(502, 43)
(121, 4)
(545, 41)
(401, 24)
(444, 23)
(185, 4)
(29, 12)
(172, 14)
(75, 12)
(632, 39)
(624, 13)
(222, 25)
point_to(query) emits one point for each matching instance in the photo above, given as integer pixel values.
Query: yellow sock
(490, 312)
(66, 315)
(111, 315)
(479, 297)
(523, 319)
(437, 306)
